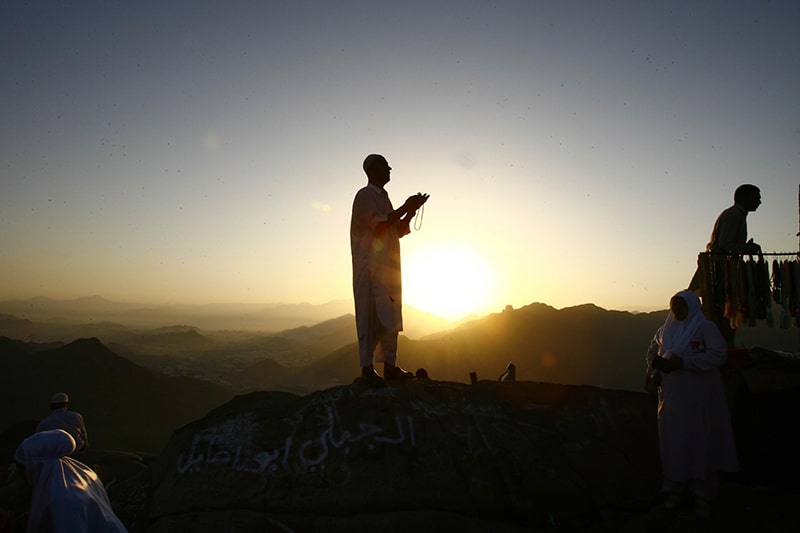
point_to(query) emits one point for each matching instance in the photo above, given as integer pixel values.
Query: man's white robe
(377, 279)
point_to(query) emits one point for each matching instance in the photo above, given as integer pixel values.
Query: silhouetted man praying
(375, 231)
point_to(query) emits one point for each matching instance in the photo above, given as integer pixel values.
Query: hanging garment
(705, 268)
(795, 307)
(750, 292)
(784, 295)
(777, 282)
(763, 293)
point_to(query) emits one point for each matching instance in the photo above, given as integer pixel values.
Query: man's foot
(370, 374)
(391, 372)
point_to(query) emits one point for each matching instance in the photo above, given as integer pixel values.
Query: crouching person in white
(67, 495)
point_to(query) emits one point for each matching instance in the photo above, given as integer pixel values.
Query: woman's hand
(673, 363)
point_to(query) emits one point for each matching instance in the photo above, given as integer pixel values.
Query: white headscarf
(676, 334)
(67, 495)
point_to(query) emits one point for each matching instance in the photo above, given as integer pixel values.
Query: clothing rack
(748, 289)
(743, 288)
(776, 254)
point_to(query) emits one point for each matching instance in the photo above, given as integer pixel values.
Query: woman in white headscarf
(67, 495)
(694, 428)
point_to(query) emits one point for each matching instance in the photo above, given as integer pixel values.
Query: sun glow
(448, 280)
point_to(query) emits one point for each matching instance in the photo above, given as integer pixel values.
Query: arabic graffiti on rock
(324, 446)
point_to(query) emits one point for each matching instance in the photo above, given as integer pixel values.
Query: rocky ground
(740, 508)
(436, 456)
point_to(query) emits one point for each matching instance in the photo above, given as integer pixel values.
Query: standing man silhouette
(729, 234)
(375, 232)
(729, 237)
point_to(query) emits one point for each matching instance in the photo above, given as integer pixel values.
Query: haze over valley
(302, 347)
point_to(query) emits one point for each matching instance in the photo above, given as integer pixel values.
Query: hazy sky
(575, 152)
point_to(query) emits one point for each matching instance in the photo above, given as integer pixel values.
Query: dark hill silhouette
(13, 350)
(264, 375)
(583, 345)
(242, 360)
(337, 368)
(217, 357)
(7, 344)
(15, 327)
(576, 345)
(125, 406)
(322, 337)
(175, 339)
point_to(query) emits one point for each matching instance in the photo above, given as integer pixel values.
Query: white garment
(694, 428)
(67, 495)
(377, 279)
(675, 335)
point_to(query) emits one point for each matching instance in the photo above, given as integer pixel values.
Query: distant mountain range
(63, 317)
(135, 386)
(583, 345)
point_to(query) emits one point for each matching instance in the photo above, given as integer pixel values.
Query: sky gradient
(575, 152)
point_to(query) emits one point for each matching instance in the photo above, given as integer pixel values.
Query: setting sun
(448, 280)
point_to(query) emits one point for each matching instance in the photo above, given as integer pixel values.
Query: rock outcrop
(497, 456)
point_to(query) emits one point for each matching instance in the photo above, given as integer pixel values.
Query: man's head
(377, 169)
(748, 196)
(60, 400)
